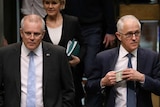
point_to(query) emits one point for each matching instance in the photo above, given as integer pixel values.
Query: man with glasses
(128, 74)
(51, 82)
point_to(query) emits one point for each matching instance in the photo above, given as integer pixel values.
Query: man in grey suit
(54, 84)
(112, 75)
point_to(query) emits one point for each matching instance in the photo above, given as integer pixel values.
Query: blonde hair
(62, 2)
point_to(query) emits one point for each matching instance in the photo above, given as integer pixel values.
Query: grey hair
(120, 23)
(34, 19)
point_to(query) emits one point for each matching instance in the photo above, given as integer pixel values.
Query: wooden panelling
(156, 100)
(141, 11)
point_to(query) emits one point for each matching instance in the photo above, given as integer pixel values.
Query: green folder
(73, 48)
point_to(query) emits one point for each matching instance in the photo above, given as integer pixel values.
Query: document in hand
(73, 48)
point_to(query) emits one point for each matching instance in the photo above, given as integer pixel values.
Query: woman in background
(60, 28)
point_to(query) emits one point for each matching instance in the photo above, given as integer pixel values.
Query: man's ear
(44, 31)
(118, 36)
(21, 32)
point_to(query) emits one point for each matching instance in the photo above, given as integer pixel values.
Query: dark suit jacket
(147, 63)
(58, 88)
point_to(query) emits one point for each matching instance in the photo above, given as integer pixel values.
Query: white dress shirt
(120, 87)
(38, 59)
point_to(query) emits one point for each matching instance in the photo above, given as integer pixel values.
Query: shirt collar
(123, 52)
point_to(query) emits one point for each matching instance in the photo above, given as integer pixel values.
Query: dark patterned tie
(31, 86)
(131, 94)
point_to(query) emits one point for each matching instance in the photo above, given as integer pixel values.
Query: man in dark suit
(111, 74)
(54, 82)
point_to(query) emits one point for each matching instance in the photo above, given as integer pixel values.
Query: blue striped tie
(31, 82)
(131, 94)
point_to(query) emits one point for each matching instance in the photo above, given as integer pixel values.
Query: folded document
(73, 48)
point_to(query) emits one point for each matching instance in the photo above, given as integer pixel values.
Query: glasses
(130, 34)
(35, 34)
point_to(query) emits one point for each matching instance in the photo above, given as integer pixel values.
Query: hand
(4, 42)
(132, 75)
(74, 60)
(109, 40)
(109, 79)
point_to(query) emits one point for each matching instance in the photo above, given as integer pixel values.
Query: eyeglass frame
(130, 34)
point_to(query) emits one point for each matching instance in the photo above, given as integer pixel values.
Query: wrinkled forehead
(32, 21)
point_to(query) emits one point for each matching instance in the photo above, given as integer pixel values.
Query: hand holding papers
(119, 76)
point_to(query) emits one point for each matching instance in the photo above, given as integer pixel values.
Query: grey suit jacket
(58, 88)
(148, 63)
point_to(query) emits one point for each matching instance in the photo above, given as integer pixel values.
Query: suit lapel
(46, 64)
(115, 58)
(140, 60)
(65, 34)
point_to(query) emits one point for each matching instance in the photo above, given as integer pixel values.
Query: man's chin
(31, 47)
